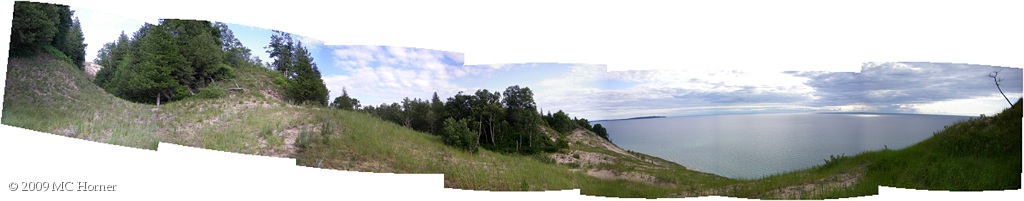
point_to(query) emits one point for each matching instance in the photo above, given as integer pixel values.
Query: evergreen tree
(309, 86)
(109, 57)
(147, 73)
(33, 27)
(75, 44)
(436, 113)
(294, 61)
(345, 102)
(199, 42)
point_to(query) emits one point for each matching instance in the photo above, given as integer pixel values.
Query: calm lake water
(751, 146)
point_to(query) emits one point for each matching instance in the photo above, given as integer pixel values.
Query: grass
(49, 95)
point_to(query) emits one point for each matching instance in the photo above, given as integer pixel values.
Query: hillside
(49, 95)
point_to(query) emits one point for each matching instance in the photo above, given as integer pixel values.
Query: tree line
(47, 27)
(500, 121)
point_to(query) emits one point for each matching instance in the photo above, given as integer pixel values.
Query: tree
(601, 131)
(295, 63)
(235, 53)
(994, 75)
(562, 123)
(488, 109)
(436, 114)
(523, 118)
(33, 27)
(345, 102)
(199, 42)
(147, 74)
(281, 49)
(75, 44)
(109, 57)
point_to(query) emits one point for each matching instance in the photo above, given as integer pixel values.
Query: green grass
(49, 95)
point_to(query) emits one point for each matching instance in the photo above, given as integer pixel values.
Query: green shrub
(304, 139)
(225, 72)
(53, 51)
(457, 134)
(182, 92)
(210, 93)
(561, 142)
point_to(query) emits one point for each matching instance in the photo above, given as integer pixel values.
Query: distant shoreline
(826, 112)
(632, 118)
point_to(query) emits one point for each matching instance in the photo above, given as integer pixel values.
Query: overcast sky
(385, 74)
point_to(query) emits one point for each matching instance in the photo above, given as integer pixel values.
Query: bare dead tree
(995, 78)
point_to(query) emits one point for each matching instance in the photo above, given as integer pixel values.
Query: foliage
(345, 102)
(601, 131)
(163, 62)
(153, 71)
(33, 27)
(37, 26)
(53, 51)
(235, 54)
(210, 93)
(292, 60)
(501, 122)
(458, 135)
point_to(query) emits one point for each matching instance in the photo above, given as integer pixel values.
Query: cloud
(896, 84)
(676, 92)
(898, 87)
(384, 74)
(576, 91)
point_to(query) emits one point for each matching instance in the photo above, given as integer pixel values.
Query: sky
(386, 74)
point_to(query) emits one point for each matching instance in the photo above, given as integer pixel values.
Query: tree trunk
(1001, 90)
(158, 99)
(491, 122)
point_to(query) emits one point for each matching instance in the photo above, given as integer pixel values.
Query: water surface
(751, 146)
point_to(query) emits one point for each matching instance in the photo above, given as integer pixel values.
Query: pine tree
(75, 42)
(147, 73)
(294, 61)
(33, 27)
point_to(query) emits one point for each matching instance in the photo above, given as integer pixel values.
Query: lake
(754, 145)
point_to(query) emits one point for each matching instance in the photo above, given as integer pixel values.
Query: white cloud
(383, 74)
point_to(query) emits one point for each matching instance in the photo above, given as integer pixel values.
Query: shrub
(457, 134)
(561, 142)
(181, 92)
(53, 51)
(210, 93)
(225, 72)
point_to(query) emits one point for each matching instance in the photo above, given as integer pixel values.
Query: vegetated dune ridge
(51, 96)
